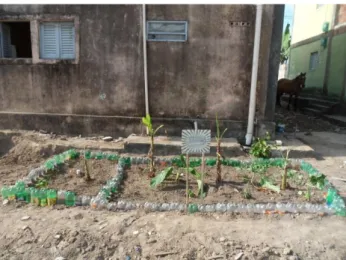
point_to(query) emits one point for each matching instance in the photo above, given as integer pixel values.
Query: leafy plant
(167, 172)
(265, 183)
(260, 148)
(285, 45)
(219, 137)
(258, 167)
(317, 180)
(161, 177)
(152, 132)
(41, 183)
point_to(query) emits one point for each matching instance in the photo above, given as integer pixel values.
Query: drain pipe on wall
(145, 61)
(252, 103)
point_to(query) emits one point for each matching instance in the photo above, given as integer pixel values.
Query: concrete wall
(309, 19)
(341, 15)
(300, 60)
(109, 63)
(208, 74)
(337, 65)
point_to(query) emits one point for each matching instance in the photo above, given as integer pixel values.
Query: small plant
(307, 194)
(160, 178)
(218, 151)
(152, 132)
(260, 148)
(246, 192)
(41, 183)
(317, 180)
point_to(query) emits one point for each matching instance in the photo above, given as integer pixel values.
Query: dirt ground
(67, 179)
(27, 232)
(299, 122)
(80, 233)
(136, 187)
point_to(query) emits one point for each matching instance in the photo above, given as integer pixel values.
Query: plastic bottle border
(125, 162)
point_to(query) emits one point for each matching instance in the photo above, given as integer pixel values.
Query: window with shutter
(49, 39)
(5, 41)
(171, 31)
(67, 41)
(57, 41)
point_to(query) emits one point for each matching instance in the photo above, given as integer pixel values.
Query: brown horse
(291, 87)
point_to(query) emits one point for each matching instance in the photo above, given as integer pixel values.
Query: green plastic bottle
(27, 195)
(20, 195)
(51, 197)
(4, 192)
(70, 198)
(34, 198)
(112, 186)
(43, 197)
(330, 196)
(20, 185)
(12, 193)
(192, 208)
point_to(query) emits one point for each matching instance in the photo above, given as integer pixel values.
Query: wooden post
(187, 182)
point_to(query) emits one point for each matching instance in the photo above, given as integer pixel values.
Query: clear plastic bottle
(78, 201)
(86, 200)
(61, 197)
(94, 202)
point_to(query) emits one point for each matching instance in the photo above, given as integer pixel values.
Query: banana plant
(218, 151)
(284, 176)
(152, 132)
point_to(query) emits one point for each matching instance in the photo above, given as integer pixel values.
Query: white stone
(238, 256)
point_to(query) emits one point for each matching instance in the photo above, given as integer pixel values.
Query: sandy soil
(79, 233)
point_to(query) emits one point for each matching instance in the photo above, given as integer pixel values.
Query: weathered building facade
(319, 48)
(80, 69)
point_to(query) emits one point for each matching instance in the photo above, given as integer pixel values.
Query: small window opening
(314, 57)
(15, 40)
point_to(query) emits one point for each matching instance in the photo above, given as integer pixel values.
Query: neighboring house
(79, 69)
(318, 47)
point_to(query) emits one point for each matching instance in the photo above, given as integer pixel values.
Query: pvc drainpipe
(145, 59)
(252, 102)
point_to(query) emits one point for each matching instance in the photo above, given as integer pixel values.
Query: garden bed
(66, 177)
(248, 186)
(239, 186)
